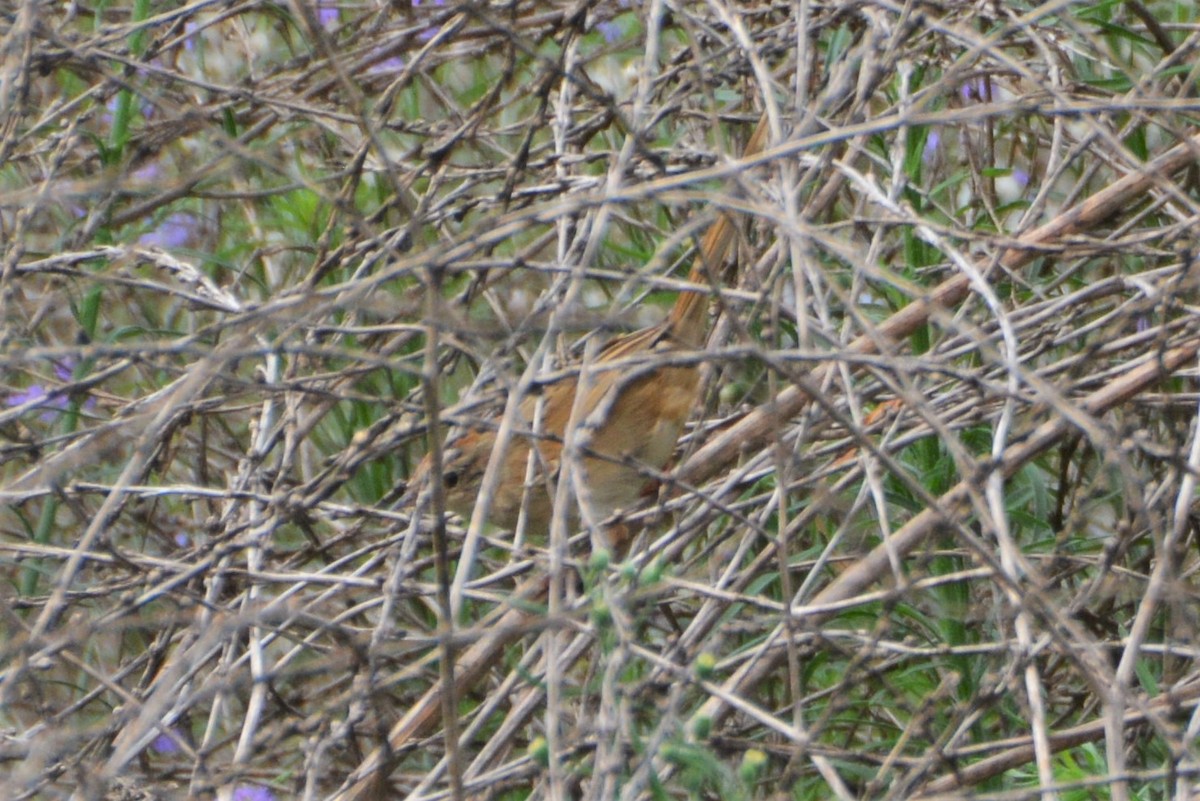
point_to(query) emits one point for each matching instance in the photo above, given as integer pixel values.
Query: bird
(638, 395)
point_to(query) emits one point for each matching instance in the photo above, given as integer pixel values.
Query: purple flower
(53, 401)
(165, 744)
(189, 33)
(931, 145)
(150, 171)
(611, 30)
(173, 232)
(252, 792)
(110, 111)
(975, 91)
(393, 64)
(327, 14)
(1021, 177)
(109, 115)
(430, 32)
(34, 394)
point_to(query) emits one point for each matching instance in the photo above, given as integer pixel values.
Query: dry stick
(687, 320)
(867, 570)
(752, 430)
(760, 426)
(369, 781)
(1173, 702)
(523, 707)
(757, 426)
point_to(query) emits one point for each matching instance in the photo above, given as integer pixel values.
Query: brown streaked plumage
(638, 399)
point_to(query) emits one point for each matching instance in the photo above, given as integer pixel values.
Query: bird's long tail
(688, 320)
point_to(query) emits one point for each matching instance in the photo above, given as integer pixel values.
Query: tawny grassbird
(638, 400)
(639, 391)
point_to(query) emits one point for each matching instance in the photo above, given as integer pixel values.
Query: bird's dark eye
(450, 479)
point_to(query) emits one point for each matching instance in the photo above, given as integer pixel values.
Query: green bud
(753, 761)
(601, 613)
(539, 751)
(599, 561)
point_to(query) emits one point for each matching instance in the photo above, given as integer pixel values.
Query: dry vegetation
(932, 534)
